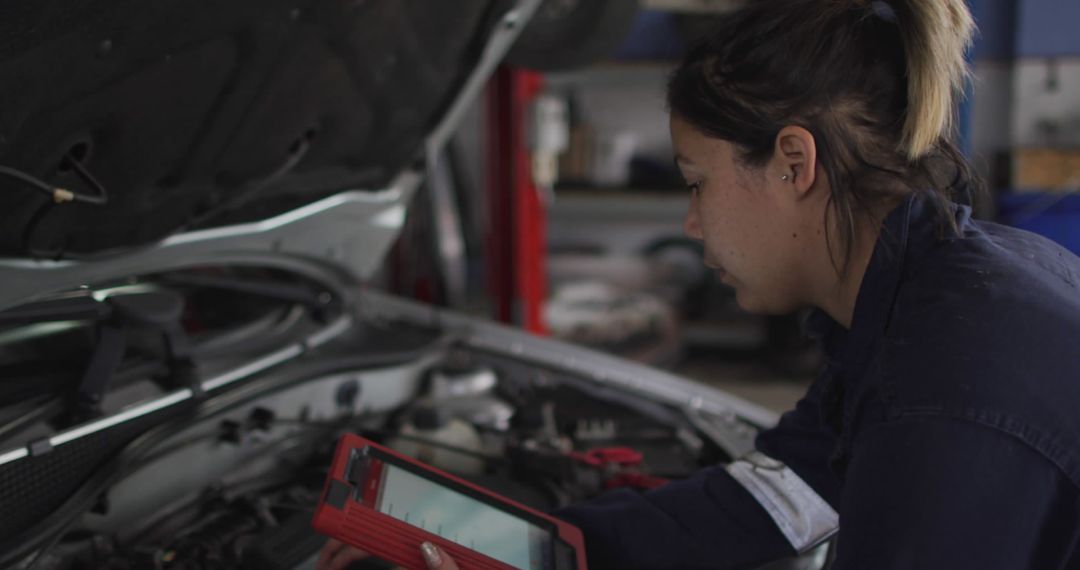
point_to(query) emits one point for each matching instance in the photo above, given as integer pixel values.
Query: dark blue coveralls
(944, 431)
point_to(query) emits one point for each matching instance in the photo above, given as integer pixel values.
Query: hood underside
(194, 115)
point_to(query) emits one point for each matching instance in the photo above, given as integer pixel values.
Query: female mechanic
(944, 432)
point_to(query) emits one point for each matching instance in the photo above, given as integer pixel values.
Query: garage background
(557, 206)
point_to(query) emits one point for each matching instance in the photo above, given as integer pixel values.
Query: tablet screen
(462, 519)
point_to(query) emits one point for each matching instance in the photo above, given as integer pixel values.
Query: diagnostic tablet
(386, 504)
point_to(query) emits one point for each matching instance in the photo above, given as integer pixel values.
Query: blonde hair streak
(937, 34)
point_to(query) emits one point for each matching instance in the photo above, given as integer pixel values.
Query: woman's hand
(337, 555)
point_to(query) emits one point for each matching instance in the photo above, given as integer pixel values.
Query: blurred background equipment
(572, 208)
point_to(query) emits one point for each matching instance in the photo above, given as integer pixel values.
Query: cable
(46, 189)
(62, 195)
(102, 198)
(296, 154)
(57, 196)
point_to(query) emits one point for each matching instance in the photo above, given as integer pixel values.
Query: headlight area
(233, 484)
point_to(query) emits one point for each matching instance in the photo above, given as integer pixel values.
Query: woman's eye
(694, 188)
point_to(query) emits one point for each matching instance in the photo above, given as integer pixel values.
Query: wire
(62, 195)
(31, 181)
(102, 198)
(57, 195)
(296, 154)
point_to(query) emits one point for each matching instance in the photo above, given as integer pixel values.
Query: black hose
(62, 195)
(29, 180)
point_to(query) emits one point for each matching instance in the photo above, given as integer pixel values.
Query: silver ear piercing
(785, 177)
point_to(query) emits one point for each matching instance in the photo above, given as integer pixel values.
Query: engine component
(595, 430)
(432, 424)
(455, 383)
(469, 394)
(620, 467)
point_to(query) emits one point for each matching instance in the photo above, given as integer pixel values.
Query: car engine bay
(259, 515)
(230, 479)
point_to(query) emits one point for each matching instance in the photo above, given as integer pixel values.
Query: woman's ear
(795, 158)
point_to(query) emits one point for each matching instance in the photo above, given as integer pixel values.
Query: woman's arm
(716, 518)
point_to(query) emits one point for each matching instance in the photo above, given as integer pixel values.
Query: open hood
(236, 128)
(180, 343)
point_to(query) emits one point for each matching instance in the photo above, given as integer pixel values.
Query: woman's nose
(692, 225)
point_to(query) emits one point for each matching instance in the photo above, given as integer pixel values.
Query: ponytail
(936, 34)
(875, 82)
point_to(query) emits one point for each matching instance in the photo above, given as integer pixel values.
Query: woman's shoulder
(993, 287)
(986, 327)
(1001, 262)
(996, 300)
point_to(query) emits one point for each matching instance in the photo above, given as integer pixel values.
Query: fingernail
(431, 555)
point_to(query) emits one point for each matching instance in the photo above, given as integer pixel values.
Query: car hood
(220, 130)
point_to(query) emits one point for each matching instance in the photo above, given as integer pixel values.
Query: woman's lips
(720, 272)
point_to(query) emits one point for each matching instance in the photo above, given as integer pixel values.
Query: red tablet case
(397, 541)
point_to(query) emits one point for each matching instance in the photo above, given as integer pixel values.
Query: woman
(944, 433)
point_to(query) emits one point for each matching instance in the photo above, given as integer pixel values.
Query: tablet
(387, 504)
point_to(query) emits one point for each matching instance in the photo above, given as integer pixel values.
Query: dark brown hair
(875, 83)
